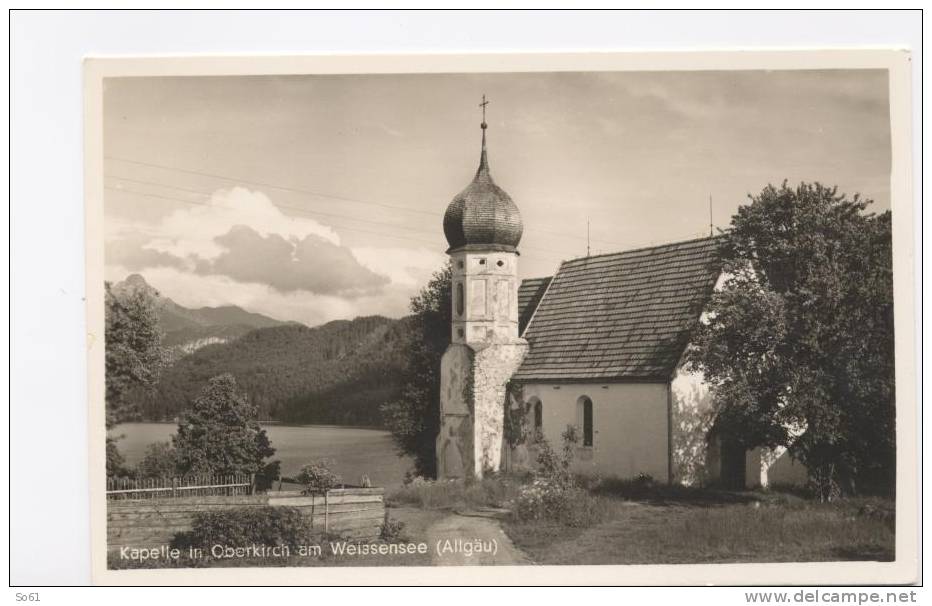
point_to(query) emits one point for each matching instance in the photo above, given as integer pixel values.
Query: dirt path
(473, 538)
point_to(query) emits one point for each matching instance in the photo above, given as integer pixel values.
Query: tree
(134, 352)
(220, 434)
(159, 461)
(414, 418)
(798, 345)
(133, 358)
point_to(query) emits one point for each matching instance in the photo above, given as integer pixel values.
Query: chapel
(598, 346)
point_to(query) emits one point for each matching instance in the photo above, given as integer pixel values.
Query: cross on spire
(482, 105)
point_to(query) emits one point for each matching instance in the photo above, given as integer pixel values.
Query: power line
(272, 185)
(311, 193)
(547, 252)
(196, 203)
(280, 206)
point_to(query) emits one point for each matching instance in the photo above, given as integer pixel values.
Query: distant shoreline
(273, 424)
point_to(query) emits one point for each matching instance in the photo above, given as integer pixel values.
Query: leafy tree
(318, 477)
(133, 358)
(799, 342)
(220, 434)
(159, 461)
(414, 418)
(134, 353)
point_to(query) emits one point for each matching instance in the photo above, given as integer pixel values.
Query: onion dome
(482, 217)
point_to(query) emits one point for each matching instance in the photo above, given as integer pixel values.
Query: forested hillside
(338, 373)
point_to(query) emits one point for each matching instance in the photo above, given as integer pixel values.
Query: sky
(315, 198)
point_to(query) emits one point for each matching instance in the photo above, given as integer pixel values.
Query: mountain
(337, 373)
(187, 330)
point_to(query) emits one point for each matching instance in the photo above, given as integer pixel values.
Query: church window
(538, 418)
(481, 261)
(500, 263)
(459, 298)
(584, 411)
(537, 409)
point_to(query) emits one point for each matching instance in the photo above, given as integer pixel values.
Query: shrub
(266, 476)
(246, 526)
(160, 461)
(318, 477)
(391, 530)
(556, 467)
(554, 493)
(568, 505)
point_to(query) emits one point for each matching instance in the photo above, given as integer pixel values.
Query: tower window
(584, 412)
(500, 263)
(481, 261)
(459, 298)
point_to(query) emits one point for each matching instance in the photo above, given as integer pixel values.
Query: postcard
(606, 318)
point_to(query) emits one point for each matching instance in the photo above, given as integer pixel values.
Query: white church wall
(691, 419)
(630, 422)
(778, 468)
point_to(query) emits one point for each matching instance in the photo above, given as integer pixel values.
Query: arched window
(538, 408)
(584, 414)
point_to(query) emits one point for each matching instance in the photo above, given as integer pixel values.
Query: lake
(354, 451)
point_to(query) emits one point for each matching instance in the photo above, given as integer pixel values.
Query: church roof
(529, 295)
(482, 216)
(620, 316)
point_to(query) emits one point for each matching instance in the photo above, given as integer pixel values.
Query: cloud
(311, 263)
(241, 234)
(404, 266)
(238, 248)
(132, 253)
(193, 230)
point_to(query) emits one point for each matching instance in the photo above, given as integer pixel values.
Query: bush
(554, 494)
(159, 461)
(391, 530)
(267, 476)
(318, 477)
(568, 505)
(246, 526)
(556, 466)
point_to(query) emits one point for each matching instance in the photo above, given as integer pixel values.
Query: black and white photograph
(475, 317)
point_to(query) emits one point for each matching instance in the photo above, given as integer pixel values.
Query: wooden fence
(187, 486)
(352, 512)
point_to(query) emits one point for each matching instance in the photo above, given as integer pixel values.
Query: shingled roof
(529, 296)
(621, 316)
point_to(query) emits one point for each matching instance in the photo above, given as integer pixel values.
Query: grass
(670, 525)
(494, 491)
(635, 522)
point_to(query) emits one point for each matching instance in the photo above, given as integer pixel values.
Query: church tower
(483, 228)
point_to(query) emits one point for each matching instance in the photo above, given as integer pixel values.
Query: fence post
(252, 483)
(326, 512)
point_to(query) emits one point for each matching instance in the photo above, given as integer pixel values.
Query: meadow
(674, 525)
